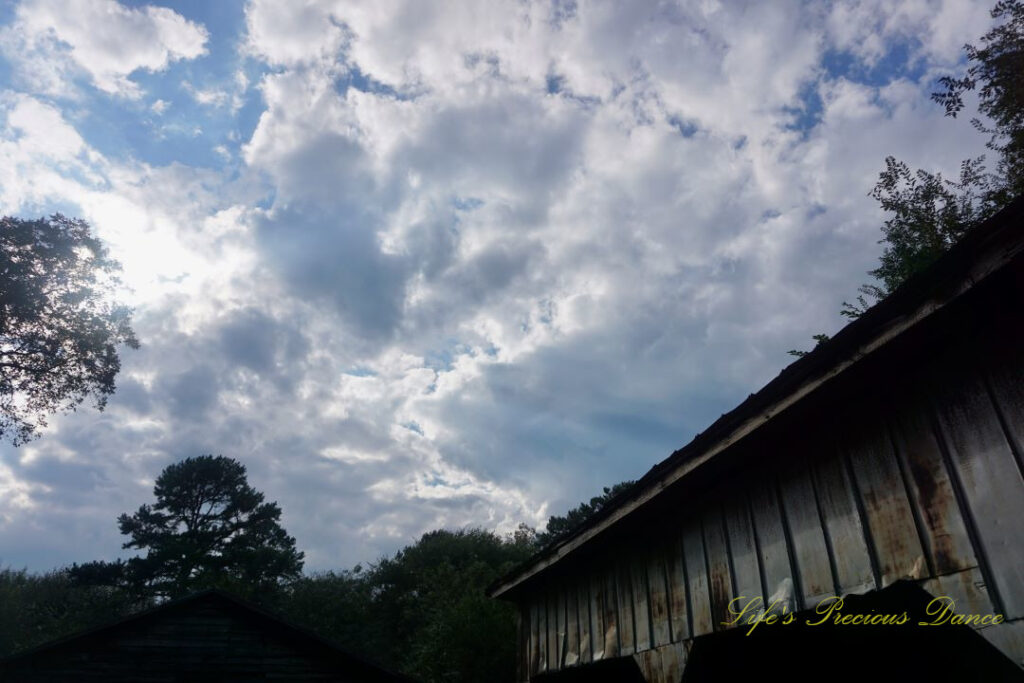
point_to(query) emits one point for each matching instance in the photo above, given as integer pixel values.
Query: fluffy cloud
(568, 207)
(476, 261)
(51, 41)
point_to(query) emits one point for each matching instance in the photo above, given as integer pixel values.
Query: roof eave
(983, 251)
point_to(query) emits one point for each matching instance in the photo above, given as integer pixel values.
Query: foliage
(998, 67)
(36, 608)
(208, 529)
(561, 526)
(337, 605)
(58, 326)
(928, 213)
(423, 611)
(819, 340)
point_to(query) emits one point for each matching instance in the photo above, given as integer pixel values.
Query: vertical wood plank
(944, 534)
(966, 588)
(719, 575)
(624, 591)
(649, 663)
(678, 607)
(661, 632)
(771, 538)
(990, 478)
(560, 642)
(597, 609)
(535, 637)
(522, 642)
(641, 602)
(583, 608)
(572, 625)
(697, 573)
(883, 495)
(1001, 357)
(1007, 382)
(673, 661)
(745, 564)
(843, 524)
(806, 534)
(542, 640)
(611, 614)
(552, 629)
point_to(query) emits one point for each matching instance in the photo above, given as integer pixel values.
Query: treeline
(421, 611)
(36, 608)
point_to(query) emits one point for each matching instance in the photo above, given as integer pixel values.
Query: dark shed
(893, 451)
(208, 636)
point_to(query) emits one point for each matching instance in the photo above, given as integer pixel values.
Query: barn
(207, 636)
(884, 468)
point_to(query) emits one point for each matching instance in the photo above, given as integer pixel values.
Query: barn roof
(985, 250)
(272, 625)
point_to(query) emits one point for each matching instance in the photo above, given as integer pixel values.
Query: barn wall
(917, 474)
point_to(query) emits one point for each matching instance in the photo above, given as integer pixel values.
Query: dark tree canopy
(59, 326)
(208, 528)
(423, 610)
(561, 526)
(929, 215)
(36, 608)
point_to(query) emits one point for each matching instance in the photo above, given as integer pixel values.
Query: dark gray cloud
(329, 255)
(191, 394)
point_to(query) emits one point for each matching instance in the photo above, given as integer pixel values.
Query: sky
(449, 264)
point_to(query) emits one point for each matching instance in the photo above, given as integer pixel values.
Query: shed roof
(306, 640)
(985, 250)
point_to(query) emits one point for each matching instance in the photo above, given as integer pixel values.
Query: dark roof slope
(984, 250)
(328, 655)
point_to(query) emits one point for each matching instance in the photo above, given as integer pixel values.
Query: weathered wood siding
(917, 474)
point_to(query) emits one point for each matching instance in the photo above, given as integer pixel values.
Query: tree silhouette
(560, 526)
(208, 528)
(59, 327)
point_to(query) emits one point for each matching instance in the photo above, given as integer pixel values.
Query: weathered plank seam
(869, 541)
(794, 568)
(915, 504)
(825, 533)
(970, 524)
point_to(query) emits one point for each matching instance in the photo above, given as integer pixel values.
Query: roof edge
(292, 629)
(982, 251)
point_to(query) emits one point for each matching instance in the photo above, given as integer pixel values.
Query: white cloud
(635, 190)
(289, 34)
(42, 130)
(480, 261)
(937, 29)
(42, 157)
(230, 97)
(51, 40)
